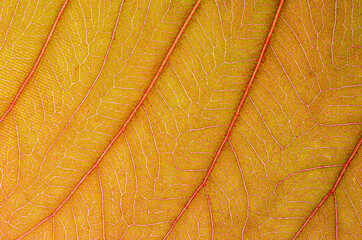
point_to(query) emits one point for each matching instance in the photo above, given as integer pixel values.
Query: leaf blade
(285, 152)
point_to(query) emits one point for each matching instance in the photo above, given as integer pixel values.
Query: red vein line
(19, 164)
(246, 190)
(89, 90)
(37, 61)
(247, 90)
(336, 213)
(163, 64)
(210, 212)
(332, 190)
(102, 197)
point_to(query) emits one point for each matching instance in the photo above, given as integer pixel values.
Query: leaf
(169, 119)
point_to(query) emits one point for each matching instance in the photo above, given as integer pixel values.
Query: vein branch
(30, 75)
(233, 121)
(332, 191)
(141, 101)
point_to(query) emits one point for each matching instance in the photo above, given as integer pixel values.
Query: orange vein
(37, 61)
(277, 14)
(102, 194)
(90, 88)
(163, 64)
(333, 190)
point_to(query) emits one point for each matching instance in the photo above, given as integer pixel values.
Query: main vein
(30, 75)
(233, 121)
(333, 190)
(163, 64)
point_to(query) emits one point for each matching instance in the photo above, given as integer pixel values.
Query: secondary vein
(30, 75)
(163, 64)
(232, 124)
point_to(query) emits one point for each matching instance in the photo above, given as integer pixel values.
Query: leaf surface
(180, 120)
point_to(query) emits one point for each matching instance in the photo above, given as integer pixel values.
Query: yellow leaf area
(296, 130)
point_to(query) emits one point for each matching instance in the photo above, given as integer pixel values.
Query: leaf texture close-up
(184, 119)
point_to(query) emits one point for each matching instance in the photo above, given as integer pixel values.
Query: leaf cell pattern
(185, 119)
